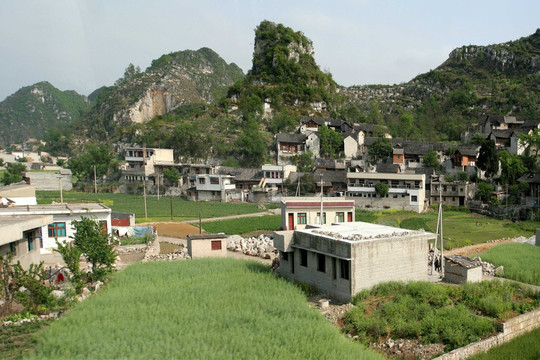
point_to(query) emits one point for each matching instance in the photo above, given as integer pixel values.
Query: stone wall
(512, 328)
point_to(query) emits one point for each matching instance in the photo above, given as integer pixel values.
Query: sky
(82, 45)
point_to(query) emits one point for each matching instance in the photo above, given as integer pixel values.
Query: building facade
(299, 212)
(343, 259)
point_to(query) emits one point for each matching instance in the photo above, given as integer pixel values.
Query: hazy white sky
(84, 44)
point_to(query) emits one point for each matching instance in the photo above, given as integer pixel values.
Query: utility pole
(95, 180)
(144, 181)
(60, 186)
(441, 221)
(321, 214)
(157, 172)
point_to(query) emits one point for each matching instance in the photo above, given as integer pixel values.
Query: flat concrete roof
(361, 231)
(12, 227)
(57, 209)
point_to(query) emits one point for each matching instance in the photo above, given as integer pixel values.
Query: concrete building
(17, 194)
(405, 191)
(207, 245)
(455, 193)
(21, 236)
(45, 180)
(213, 188)
(298, 212)
(62, 217)
(459, 269)
(343, 259)
(141, 163)
(274, 175)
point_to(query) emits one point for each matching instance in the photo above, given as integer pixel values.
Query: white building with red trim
(297, 212)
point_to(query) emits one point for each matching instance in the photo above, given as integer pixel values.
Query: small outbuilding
(459, 269)
(207, 245)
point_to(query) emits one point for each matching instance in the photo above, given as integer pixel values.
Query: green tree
(381, 189)
(99, 155)
(431, 160)
(511, 167)
(483, 191)
(250, 146)
(462, 176)
(1, 162)
(282, 123)
(172, 175)
(406, 125)
(488, 159)
(307, 185)
(380, 149)
(93, 241)
(531, 142)
(304, 162)
(71, 255)
(477, 139)
(13, 173)
(374, 115)
(331, 142)
(187, 139)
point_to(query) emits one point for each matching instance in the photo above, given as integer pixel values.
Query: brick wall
(512, 328)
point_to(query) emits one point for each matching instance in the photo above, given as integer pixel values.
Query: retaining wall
(512, 328)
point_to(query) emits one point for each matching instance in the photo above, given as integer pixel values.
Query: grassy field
(525, 347)
(436, 313)
(521, 261)
(16, 340)
(198, 309)
(460, 228)
(157, 210)
(243, 226)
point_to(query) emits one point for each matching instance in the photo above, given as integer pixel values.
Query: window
(344, 267)
(334, 269)
(57, 229)
(301, 218)
(414, 198)
(202, 180)
(340, 217)
(13, 248)
(323, 217)
(303, 257)
(29, 240)
(214, 180)
(284, 256)
(321, 262)
(216, 244)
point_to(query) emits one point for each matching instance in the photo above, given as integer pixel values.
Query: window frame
(301, 218)
(54, 228)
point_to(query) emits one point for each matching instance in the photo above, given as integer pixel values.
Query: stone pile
(131, 250)
(52, 315)
(488, 268)
(261, 246)
(176, 255)
(409, 349)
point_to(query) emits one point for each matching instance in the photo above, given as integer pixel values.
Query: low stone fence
(512, 328)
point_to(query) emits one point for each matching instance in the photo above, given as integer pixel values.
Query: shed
(207, 245)
(460, 269)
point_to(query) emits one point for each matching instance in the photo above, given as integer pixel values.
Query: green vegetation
(16, 341)
(204, 309)
(521, 261)
(13, 173)
(460, 228)
(524, 347)
(36, 109)
(158, 210)
(433, 313)
(244, 225)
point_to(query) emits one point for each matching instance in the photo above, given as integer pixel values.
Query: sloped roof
(291, 138)
(330, 177)
(469, 150)
(388, 168)
(502, 134)
(463, 261)
(322, 121)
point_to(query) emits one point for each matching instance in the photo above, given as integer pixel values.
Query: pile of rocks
(409, 349)
(261, 246)
(181, 254)
(131, 249)
(52, 315)
(489, 269)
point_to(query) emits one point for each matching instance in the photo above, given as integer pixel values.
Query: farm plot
(197, 309)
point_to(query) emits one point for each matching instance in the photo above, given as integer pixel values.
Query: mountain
(475, 80)
(173, 80)
(32, 110)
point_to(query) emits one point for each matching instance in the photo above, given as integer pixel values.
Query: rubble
(181, 254)
(261, 246)
(409, 349)
(487, 268)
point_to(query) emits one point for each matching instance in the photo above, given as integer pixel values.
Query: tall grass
(244, 225)
(521, 261)
(433, 313)
(524, 347)
(157, 210)
(197, 309)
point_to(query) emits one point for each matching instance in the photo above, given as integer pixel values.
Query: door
(291, 222)
(349, 217)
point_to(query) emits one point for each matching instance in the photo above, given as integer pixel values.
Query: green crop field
(157, 210)
(524, 347)
(244, 225)
(521, 261)
(197, 309)
(460, 228)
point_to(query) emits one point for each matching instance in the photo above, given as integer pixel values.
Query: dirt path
(474, 249)
(269, 212)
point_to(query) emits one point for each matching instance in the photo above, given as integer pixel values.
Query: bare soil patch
(475, 249)
(176, 230)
